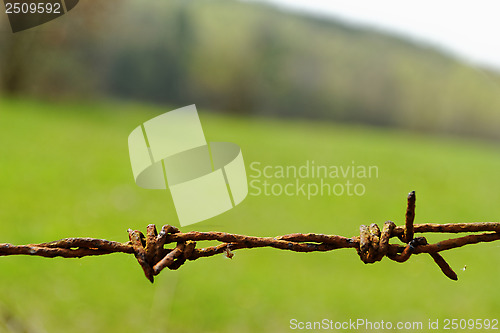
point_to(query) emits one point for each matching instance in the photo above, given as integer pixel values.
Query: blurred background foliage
(250, 58)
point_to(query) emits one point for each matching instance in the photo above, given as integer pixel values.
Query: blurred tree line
(248, 58)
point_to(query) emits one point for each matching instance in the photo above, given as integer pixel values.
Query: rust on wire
(410, 217)
(372, 244)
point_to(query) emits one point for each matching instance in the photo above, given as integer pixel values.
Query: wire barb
(372, 244)
(410, 217)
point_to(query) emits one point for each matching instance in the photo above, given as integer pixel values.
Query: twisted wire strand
(372, 244)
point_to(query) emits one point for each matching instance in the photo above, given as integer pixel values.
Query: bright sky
(470, 29)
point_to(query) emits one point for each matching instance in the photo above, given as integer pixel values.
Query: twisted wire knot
(374, 244)
(150, 252)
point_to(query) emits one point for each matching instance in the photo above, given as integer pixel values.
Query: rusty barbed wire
(372, 244)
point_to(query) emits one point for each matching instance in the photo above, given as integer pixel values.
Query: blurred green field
(65, 171)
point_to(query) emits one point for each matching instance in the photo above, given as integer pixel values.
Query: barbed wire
(372, 245)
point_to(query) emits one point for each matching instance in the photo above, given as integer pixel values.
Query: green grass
(65, 171)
